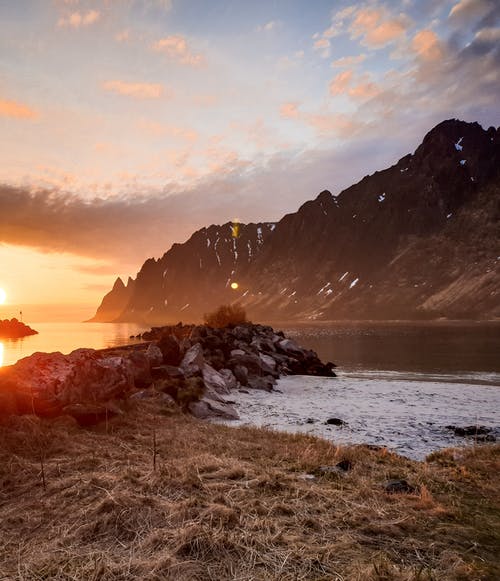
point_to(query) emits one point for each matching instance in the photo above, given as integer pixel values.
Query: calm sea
(66, 337)
(427, 348)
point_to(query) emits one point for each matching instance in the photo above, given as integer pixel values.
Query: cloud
(488, 35)
(177, 48)
(340, 83)
(348, 61)
(289, 111)
(16, 110)
(128, 229)
(160, 129)
(467, 10)
(269, 26)
(135, 90)
(322, 45)
(123, 35)
(376, 27)
(427, 45)
(79, 19)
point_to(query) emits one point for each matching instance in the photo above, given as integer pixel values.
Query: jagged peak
(118, 284)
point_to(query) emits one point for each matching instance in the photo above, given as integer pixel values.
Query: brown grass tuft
(235, 503)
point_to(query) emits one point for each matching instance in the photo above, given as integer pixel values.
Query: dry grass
(233, 503)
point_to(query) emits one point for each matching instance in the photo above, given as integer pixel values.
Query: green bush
(226, 316)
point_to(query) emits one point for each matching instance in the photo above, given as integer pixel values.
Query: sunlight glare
(234, 285)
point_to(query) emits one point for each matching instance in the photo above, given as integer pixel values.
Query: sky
(125, 125)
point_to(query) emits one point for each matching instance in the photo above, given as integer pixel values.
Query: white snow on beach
(407, 413)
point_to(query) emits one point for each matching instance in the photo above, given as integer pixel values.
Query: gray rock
(241, 374)
(399, 487)
(237, 353)
(209, 408)
(268, 360)
(192, 362)
(214, 380)
(229, 378)
(154, 354)
(265, 382)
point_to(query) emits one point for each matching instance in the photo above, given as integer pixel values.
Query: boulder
(45, 383)
(335, 422)
(209, 408)
(241, 374)
(264, 382)
(167, 371)
(154, 354)
(213, 379)
(170, 349)
(229, 378)
(192, 362)
(141, 368)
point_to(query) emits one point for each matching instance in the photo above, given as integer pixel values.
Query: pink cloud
(135, 90)
(16, 110)
(427, 45)
(376, 27)
(289, 111)
(79, 19)
(176, 47)
(348, 61)
(340, 83)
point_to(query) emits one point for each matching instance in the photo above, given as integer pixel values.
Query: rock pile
(195, 366)
(209, 363)
(14, 329)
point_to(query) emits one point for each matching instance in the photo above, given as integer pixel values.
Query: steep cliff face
(192, 277)
(115, 302)
(417, 240)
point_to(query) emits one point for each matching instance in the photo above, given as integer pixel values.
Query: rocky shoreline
(15, 329)
(193, 366)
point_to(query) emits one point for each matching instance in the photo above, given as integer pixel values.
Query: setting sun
(3, 296)
(234, 285)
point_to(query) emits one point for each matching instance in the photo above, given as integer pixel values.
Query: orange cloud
(289, 111)
(340, 83)
(79, 19)
(16, 110)
(135, 90)
(159, 129)
(364, 91)
(376, 27)
(176, 47)
(348, 61)
(427, 45)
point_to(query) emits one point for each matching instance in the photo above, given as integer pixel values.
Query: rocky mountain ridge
(418, 240)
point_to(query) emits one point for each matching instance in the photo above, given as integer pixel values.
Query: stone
(268, 360)
(398, 487)
(154, 354)
(241, 374)
(192, 362)
(167, 371)
(213, 379)
(208, 408)
(265, 382)
(170, 349)
(335, 422)
(469, 430)
(141, 368)
(44, 383)
(229, 378)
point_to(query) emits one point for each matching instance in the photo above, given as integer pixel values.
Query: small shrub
(226, 316)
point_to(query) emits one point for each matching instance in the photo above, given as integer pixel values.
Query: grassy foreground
(216, 502)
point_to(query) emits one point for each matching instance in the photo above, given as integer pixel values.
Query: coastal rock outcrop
(196, 366)
(14, 329)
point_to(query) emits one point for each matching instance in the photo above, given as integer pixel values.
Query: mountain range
(418, 240)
